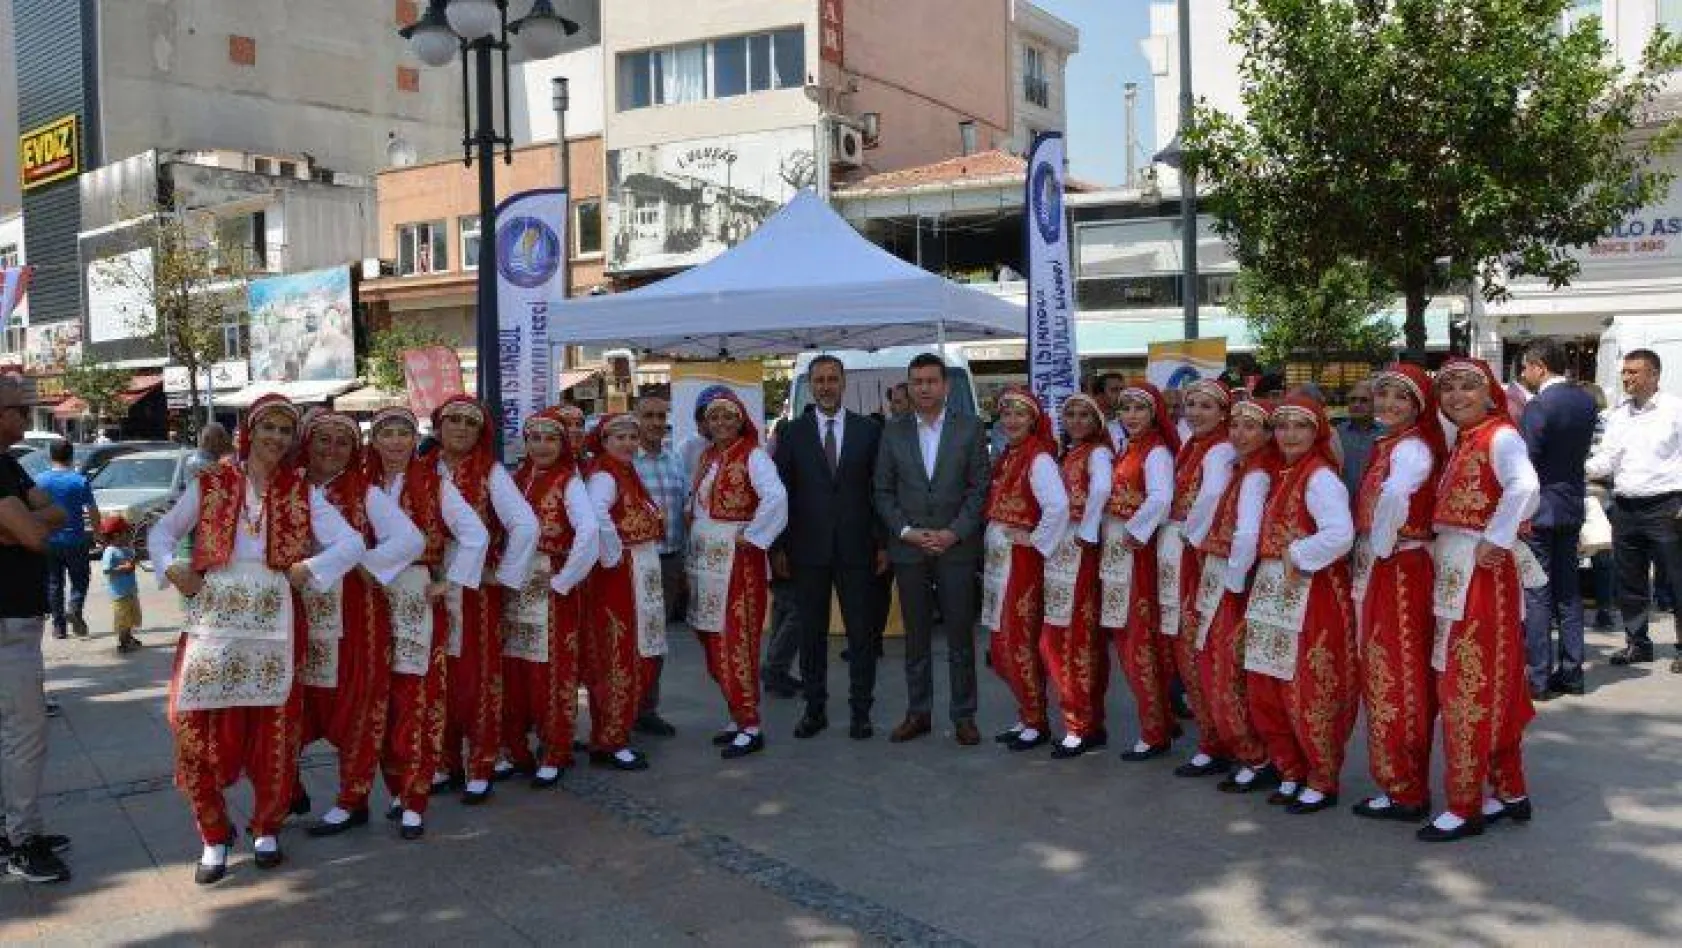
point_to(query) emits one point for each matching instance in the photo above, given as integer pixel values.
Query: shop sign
(51, 152)
(832, 32)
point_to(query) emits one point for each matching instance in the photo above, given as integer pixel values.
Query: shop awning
(70, 409)
(575, 377)
(139, 387)
(369, 398)
(304, 393)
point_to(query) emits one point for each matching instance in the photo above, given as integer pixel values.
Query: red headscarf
(527, 475)
(1164, 424)
(1038, 436)
(1301, 406)
(1461, 365)
(1417, 383)
(571, 413)
(750, 431)
(473, 472)
(1100, 436)
(272, 402)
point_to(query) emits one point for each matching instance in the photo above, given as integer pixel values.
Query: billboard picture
(301, 328)
(680, 204)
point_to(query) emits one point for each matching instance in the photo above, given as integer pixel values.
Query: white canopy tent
(805, 280)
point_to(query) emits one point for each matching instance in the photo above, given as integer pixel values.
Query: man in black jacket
(825, 459)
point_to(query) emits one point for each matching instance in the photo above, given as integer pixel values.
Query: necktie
(831, 451)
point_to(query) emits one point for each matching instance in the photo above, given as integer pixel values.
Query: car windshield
(34, 463)
(131, 473)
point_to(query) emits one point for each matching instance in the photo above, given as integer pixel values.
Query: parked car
(139, 486)
(21, 448)
(89, 459)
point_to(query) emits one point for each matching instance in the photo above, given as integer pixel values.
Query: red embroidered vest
(422, 499)
(1225, 527)
(547, 496)
(478, 496)
(1188, 472)
(1468, 492)
(1420, 505)
(348, 494)
(733, 498)
(1076, 478)
(1010, 499)
(1286, 518)
(1127, 485)
(635, 514)
(291, 538)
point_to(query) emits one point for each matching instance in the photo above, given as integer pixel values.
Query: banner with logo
(531, 242)
(1053, 360)
(14, 283)
(694, 383)
(431, 374)
(1177, 364)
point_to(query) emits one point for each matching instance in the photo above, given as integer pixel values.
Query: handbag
(1596, 536)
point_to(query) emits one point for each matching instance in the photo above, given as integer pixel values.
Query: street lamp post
(1174, 157)
(479, 30)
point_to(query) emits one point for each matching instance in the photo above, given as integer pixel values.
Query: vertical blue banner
(1053, 362)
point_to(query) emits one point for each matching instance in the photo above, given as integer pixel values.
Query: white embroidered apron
(997, 544)
(238, 647)
(1062, 572)
(525, 616)
(453, 609)
(1115, 575)
(1211, 586)
(1170, 550)
(1274, 620)
(712, 555)
(324, 618)
(1455, 556)
(411, 621)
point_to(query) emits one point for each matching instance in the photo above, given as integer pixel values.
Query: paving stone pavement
(831, 841)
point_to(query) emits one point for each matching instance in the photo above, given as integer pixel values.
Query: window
(1036, 88)
(469, 226)
(1578, 11)
(289, 169)
(716, 69)
(262, 166)
(236, 337)
(587, 226)
(1670, 16)
(422, 248)
(9, 255)
(15, 332)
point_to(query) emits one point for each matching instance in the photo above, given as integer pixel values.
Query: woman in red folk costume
(572, 420)
(453, 558)
(738, 508)
(1202, 470)
(346, 676)
(1229, 555)
(1070, 643)
(1299, 647)
(1393, 581)
(627, 631)
(235, 701)
(1487, 491)
(543, 621)
(1141, 492)
(474, 697)
(1027, 513)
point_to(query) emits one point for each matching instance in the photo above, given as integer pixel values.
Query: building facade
(1040, 50)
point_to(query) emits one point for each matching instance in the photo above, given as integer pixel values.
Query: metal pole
(1130, 95)
(559, 85)
(484, 140)
(824, 135)
(561, 100)
(1188, 185)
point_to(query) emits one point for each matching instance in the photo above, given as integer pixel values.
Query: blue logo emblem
(1048, 203)
(1182, 376)
(528, 252)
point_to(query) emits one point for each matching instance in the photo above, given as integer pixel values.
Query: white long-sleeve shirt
(1246, 534)
(769, 518)
(1410, 468)
(1100, 471)
(1334, 528)
(1159, 495)
(586, 538)
(1045, 481)
(1217, 466)
(397, 541)
(1521, 490)
(604, 491)
(519, 525)
(341, 547)
(464, 564)
(1641, 450)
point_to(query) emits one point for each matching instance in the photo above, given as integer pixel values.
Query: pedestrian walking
(69, 547)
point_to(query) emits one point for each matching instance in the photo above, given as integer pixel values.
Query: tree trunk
(1413, 330)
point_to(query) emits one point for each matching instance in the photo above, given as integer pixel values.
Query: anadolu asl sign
(49, 153)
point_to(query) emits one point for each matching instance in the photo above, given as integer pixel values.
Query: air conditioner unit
(849, 147)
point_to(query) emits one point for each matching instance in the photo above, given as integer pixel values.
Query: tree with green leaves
(384, 363)
(1334, 317)
(101, 386)
(1436, 141)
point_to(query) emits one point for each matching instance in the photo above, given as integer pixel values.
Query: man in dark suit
(1558, 425)
(833, 542)
(931, 483)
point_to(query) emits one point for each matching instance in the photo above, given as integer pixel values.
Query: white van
(871, 374)
(1660, 332)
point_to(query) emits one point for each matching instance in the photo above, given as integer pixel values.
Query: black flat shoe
(270, 860)
(1430, 834)
(1006, 737)
(1299, 808)
(210, 875)
(755, 744)
(1149, 753)
(411, 832)
(1215, 766)
(1038, 740)
(811, 725)
(500, 773)
(1281, 798)
(452, 784)
(469, 798)
(1267, 778)
(1518, 812)
(300, 805)
(1632, 655)
(605, 759)
(724, 737)
(322, 828)
(548, 783)
(1070, 751)
(1395, 812)
(394, 812)
(653, 725)
(861, 729)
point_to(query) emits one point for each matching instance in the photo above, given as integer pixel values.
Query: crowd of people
(432, 615)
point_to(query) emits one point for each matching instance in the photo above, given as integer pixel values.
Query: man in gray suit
(932, 476)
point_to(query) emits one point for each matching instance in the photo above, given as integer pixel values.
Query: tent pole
(940, 336)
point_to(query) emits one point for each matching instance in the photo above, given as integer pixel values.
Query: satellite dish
(398, 152)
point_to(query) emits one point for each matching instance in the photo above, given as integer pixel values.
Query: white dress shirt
(1046, 483)
(1100, 472)
(1521, 491)
(1334, 528)
(840, 421)
(928, 441)
(1410, 467)
(1641, 450)
(397, 541)
(769, 518)
(464, 563)
(1218, 466)
(586, 538)
(1159, 495)
(519, 524)
(341, 547)
(1246, 534)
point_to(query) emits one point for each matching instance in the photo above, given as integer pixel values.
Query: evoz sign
(49, 153)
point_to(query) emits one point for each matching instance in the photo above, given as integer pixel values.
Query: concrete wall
(9, 197)
(324, 80)
(530, 90)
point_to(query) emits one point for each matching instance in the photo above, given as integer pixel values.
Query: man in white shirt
(1108, 389)
(1641, 453)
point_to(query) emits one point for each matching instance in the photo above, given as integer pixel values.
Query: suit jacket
(1558, 426)
(831, 516)
(952, 500)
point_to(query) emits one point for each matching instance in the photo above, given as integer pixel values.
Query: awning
(369, 398)
(575, 377)
(304, 393)
(71, 408)
(139, 387)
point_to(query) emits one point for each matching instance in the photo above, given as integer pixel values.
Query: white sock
(1380, 802)
(1288, 788)
(624, 755)
(442, 776)
(335, 816)
(548, 773)
(1244, 777)
(1069, 740)
(751, 730)
(411, 818)
(1201, 759)
(266, 844)
(1016, 728)
(1492, 806)
(478, 786)
(1447, 821)
(1139, 747)
(744, 738)
(1028, 734)
(214, 855)
(1310, 795)
(503, 768)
